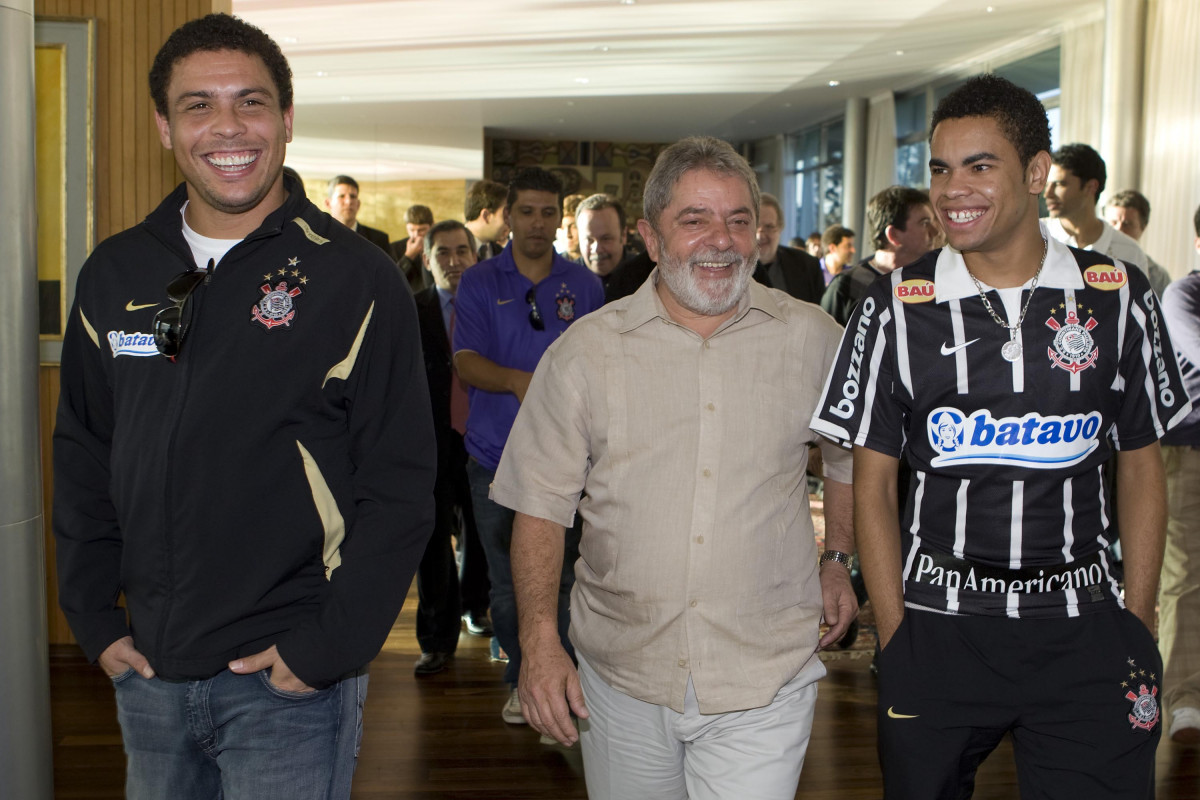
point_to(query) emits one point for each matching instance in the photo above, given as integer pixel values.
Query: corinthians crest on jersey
(276, 307)
(1073, 348)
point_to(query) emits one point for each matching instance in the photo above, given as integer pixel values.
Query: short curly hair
(534, 179)
(1018, 112)
(1131, 198)
(1083, 162)
(214, 33)
(891, 208)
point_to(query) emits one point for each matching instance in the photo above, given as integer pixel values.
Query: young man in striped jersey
(1006, 369)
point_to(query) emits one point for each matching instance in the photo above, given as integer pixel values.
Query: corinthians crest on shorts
(1073, 348)
(277, 306)
(1145, 712)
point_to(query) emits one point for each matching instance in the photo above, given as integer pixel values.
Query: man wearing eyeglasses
(793, 271)
(244, 449)
(510, 309)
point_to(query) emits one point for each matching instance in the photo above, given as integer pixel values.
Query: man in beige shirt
(677, 421)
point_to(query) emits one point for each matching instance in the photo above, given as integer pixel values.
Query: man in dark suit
(449, 248)
(407, 251)
(793, 271)
(343, 204)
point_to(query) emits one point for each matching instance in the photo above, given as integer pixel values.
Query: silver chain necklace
(1011, 351)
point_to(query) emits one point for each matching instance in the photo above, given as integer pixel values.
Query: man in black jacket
(793, 271)
(449, 249)
(244, 449)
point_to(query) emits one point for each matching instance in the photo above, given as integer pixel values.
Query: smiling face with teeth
(228, 133)
(704, 243)
(985, 197)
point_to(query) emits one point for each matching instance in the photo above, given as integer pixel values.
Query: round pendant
(1011, 350)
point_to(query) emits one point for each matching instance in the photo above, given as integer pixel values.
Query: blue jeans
(238, 737)
(495, 523)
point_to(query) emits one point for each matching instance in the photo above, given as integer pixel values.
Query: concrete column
(1121, 108)
(25, 746)
(854, 164)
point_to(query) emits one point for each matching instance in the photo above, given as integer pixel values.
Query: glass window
(911, 118)
(1038, 73)
(911, 163)
(819, 154)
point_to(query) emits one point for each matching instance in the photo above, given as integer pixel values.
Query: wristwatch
(836, 555)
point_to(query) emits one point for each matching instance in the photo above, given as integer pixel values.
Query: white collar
(953, 282)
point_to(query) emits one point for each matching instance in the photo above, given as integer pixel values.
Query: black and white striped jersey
(1006, 512)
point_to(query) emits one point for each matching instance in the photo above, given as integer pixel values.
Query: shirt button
(699, 540)
(682, 663)
(708, 473)
(711, 407)
(693, 604)
(705, 345)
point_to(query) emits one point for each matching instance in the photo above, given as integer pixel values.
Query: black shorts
(1080, 696)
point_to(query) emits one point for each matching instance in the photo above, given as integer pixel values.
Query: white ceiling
(405, 89)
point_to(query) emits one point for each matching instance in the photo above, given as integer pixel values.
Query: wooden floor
(442, 737)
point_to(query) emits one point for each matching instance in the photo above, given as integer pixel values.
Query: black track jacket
(274, 484)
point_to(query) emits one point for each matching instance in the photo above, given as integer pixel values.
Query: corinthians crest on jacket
(277, 305)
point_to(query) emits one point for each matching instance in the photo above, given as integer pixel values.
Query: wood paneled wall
(133, 171)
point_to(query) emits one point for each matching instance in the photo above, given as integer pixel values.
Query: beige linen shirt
(698, 556)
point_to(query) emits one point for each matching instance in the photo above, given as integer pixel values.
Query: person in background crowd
(1129, 213)
(838, 245)
(793, 271)
(484, 212)
(903, 228)
(567, 237)
(509, 310)
(343, 203)
(442, 596)
(813, 245)
(407, 252)
(1077, 178)
(1179, 592)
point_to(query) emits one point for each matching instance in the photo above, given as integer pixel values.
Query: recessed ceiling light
(899, 52)
(628, 2)
(990, 9)
(289, 40)
(835, 83)
(603, 48)
(581, 80)
(345, 98)
(322, 73)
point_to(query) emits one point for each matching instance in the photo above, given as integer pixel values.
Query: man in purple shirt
(510, 309)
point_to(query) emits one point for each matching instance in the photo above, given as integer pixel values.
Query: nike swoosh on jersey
(503, 302)
(948, 350)
(893, 715)
(130, 306)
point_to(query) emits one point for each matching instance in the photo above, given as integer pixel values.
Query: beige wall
(384, 202)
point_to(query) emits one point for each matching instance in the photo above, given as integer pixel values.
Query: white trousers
(635, 749)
